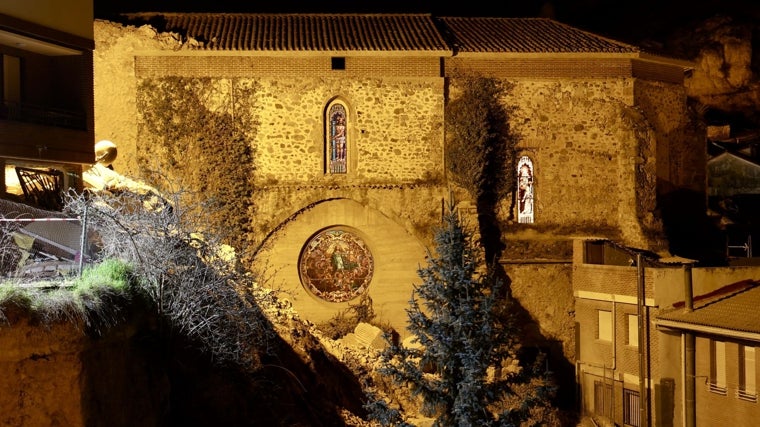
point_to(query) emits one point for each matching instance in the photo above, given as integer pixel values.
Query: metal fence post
(83, 240)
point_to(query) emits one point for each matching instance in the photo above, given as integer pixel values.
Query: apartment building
(46, 113)
(636, 366)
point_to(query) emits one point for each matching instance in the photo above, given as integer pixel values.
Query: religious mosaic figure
(525, 190)
(336, 265)
(337, 117)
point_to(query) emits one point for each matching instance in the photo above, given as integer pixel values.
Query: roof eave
(301, 53)
(683, 63)
(547, 55)
(706, 329)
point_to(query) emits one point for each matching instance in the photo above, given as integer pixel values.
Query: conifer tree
(462, 344)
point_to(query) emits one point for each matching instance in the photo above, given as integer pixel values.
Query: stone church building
(345, 119)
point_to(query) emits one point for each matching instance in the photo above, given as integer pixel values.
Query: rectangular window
(603, 399)
(605, 325)
(631, 414)
(718, 367)
(338, 63)
(594, 252)
(747, 373)
(633, 330)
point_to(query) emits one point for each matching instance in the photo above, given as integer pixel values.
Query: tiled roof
(521, 35)
(302, 32)
(732, 308)
(378, 33)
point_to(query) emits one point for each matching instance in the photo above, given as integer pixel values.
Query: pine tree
(463, 343)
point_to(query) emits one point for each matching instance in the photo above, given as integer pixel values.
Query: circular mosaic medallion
(336, 265)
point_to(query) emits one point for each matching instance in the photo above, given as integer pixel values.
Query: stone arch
(396, 253)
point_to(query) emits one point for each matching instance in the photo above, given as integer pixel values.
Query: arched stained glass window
(337, 143)
(525, 191)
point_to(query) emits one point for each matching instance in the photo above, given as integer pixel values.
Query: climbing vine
(197, 133)
(480, 146)
(481, 151)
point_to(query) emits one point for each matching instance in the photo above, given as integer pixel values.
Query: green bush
(95, 301)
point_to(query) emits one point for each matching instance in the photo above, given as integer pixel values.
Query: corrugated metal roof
(301, 32)
(733, 308)
(522, 35)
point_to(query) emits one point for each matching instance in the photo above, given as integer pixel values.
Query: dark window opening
(338, 63)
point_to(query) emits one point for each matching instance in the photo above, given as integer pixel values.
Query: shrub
(480, 145)
(188, 277)
(95, 301)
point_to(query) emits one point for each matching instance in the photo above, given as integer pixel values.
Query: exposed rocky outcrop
(725, 53)
(140, 373)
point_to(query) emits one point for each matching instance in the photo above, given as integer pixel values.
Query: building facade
(47, 117)
(633, 338)
(345, 116)
(717, 338)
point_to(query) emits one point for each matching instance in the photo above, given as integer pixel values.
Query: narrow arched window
(525, 190)
(337, 140)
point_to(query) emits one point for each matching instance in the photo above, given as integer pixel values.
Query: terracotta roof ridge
(721, 293)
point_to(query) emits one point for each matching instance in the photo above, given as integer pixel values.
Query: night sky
(630, 21)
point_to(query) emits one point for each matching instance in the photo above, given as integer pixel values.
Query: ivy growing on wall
(481, 150)
(197, 133)
(480, 146)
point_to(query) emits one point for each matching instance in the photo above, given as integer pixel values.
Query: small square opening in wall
(338, 63)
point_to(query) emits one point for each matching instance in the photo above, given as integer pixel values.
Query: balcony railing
(43, 115)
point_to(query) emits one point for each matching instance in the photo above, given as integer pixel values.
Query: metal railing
(51, 116)
(79, 254)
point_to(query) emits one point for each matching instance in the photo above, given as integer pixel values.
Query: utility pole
(643, 376)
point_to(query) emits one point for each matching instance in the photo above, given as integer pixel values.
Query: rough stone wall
(595, 148)
(583, 149)
(394, 138)
(394, 127)
(395, 123)
(547, 315)
(681, 154)
(418, 208)
(115, 85)
(394, 188)
(594, 133)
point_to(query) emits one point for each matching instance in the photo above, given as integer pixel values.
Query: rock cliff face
(726, 74)
(56, 375)
(137, 374)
